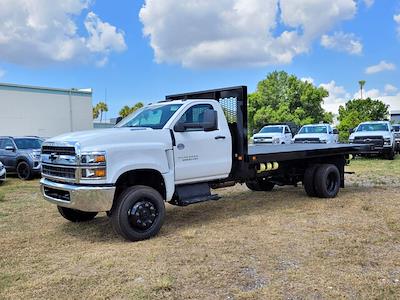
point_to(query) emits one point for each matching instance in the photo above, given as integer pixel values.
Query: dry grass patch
(246, 246)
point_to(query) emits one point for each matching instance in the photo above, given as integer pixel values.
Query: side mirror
(119, 119)
(10, 148)
(179, 127)
(254, 131)
(210, 121)
(351, 130)
(335, 131)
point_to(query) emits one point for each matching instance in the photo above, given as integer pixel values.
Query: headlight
(94, 173)
(351, 141)
(323, 141)
(35, 155)
(98, 158)
(387, 141)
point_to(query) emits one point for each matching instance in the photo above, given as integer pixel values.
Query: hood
(97, 140)
(266, 135)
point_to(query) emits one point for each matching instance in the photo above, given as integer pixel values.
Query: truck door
(201, 155)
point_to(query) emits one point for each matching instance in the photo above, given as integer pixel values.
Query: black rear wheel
(138, 213)
(308, 180)
(24, 171)
(74, 215)
(327, 181)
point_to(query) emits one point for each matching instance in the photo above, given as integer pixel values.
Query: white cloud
(396, 18)
(2, 73)
(343, 42)
(337, 96)
(238, 32)
(369, 3)
(389, 89)
(382, 66)
(46, 31)
(308, 79)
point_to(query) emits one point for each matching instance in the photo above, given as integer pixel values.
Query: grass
(246, 246)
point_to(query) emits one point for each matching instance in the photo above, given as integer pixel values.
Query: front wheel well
(147, 177)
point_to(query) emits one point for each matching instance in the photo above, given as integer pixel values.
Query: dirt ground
(249, 245)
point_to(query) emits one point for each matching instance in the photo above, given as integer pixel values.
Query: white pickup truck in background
(317, 133)
(379, 134)
(273, 134)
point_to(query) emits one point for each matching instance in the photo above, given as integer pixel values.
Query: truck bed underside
(300, 151)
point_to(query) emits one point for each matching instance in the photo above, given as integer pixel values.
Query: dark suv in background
(21, 155)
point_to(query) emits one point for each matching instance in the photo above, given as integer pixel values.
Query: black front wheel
(75, 216)
(24, 171)
(138, 213)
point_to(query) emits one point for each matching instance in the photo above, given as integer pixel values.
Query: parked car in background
(317, 133)
(273, 134)
(396, 131)
(21, 155)
(379, 134)
(2, 173)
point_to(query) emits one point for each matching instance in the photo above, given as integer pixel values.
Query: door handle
(220, 137)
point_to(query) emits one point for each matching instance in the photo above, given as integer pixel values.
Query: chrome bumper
(84, 198)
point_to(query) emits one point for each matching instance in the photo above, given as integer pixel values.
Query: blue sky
(176, 46)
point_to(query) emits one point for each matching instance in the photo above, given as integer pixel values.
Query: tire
(309, 180)
(24, 171)
(138, 214)
(390, 155)
(76, 216)
(260, 185)
(327, 181)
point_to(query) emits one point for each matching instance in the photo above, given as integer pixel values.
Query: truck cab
(317, 133)
(273, 134)
(379, 135)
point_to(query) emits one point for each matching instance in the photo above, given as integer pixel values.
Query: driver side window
(195, 114)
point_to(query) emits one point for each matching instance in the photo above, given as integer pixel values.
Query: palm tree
(102, 107)
(125, 111)
(362, 84)
(95, 113)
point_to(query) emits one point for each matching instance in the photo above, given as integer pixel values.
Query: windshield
(155, 116)
(373, 127)
(26, 144)
(313, 129)
(272, 129)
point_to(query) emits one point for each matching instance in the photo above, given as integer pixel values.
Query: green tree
(96, 112)
(102, 107)
(126, 110)
(285, 98)
(360, 110)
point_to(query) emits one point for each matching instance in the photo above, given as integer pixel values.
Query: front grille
(59, 150)
(307, 140)
(56, 171)
(371, 140)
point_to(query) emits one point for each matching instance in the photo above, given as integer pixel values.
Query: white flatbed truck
(177, 151)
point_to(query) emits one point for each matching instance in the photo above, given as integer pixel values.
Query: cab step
(193, 193)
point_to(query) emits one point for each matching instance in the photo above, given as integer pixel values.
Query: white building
(42, 111)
